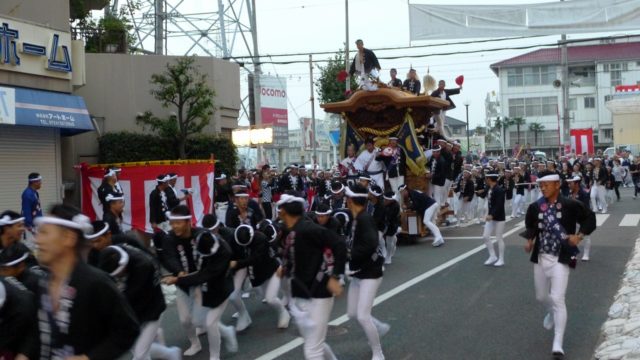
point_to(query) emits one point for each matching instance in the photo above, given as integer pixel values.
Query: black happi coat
(142, 285)
(104, 190)
(438, 171)
(573, 212)
(397, 169)
(496, 199)
(213, 276)
(18, 320)
(436, 93)
(379, 215)
(467, 189)
(255, 257)
(179, 254)
(420, 201)
(101, 324)
(157, 208)
(172, 198)
(392, 218)
(114, 223)
(254, 215)
(364, 257)
(370, 62)
(304, 260)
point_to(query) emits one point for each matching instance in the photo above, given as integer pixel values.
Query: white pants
(185, 306)
(465, 209)
(148, 332)
(395, 182)
(236, 296)
(598, 197)
(551, 279)
(439, 194)
(312, 318)
(427, 220)
(480, 209)
(391, 242)
(382, 245)
(516, 208)
(379, 179)
(221, 211)
(497, 228)
(362, 293)
(456, 204)
(270, 289)
(215, 328)
(535, 194)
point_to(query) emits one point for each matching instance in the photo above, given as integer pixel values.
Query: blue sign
(9, 50)
(334, 136)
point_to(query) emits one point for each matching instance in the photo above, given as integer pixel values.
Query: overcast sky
(299, 26)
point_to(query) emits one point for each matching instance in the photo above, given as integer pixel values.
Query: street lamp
(466, 104)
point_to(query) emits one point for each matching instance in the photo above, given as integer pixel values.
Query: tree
(501, 125)
(518, 121)
(330, 88)
(536, 128)
(182, 87)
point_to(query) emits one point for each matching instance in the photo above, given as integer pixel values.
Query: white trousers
(390, 242)
(312, 318)
(221, 211)
(551, 279)
(362, 293)
(148, 332)
(481, 209)
(598, 197)
(439, 194)
(236, 296)
(382, 245)
(215, 328)
(271, 288)
(185, 306)
(427, 220)
(518, 202)
(497, 228)
(379, 179)
(395, 182)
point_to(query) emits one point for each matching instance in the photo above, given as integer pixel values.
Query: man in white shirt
(367, 162)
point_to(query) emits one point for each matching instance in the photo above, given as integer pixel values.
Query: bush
(130, 147)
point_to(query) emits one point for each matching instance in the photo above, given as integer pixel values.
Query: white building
(527, 89)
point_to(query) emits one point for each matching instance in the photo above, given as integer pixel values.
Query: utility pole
(346, 44)
(466, 105)
(566, 124)
(313, 110)
(257, 71)
(159, 32)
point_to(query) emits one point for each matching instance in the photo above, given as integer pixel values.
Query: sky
(302, 26)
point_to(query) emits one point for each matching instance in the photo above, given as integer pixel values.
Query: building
(527, 89)
(40, 66)
(625, 108)
(297, 153)
(457, 128)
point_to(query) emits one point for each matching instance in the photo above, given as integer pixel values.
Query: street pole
(257, 72)
(467, 106)
(313, 109)
(566, 124)
(346, 44)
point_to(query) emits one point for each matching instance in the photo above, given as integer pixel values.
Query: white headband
(275, 232)
(214, 248)
(112, 197)
(173, 177)
(342, 213)
(79, 222)
(286, 199)
(122, 263)
(551, 177)
(364, 178)
(241, 195)
(388, 198)
(221, 177)
(376, 194)
(402, 187)
(16, 261)
(6, 220)
(99, 233)
(328, 212)
(36, 179)
(110, 173)
(235, 235)
(575, 178)
(215, 225)
(177, 217)
(339, 191)
(351, 194)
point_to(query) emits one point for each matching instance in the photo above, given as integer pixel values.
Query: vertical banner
(582, 141)
(138, 180)
(274, 109)
(308, 136)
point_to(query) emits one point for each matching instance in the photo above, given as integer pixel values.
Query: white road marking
(601, 218)
(389, 294)
(630, 220)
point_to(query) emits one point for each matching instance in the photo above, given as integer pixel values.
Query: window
(538, 106)
(607, 134)
(615, 71)
(589, 102)
(514, 77)
(573, 104)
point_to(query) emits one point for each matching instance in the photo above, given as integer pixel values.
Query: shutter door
(26, 149)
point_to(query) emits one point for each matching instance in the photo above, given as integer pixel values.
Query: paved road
(444, 304)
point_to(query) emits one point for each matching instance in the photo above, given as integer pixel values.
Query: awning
(45, 109)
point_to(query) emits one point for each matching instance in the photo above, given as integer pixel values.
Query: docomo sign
(248, 137)
(273, 101)
(273, 92)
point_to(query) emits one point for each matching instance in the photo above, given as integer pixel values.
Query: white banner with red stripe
(138, 181)
(582, 141)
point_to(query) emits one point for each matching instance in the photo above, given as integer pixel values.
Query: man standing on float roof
(552, 240)
(364, 61)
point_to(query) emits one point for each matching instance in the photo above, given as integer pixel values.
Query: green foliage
(131, 147)
(536, 128)
(518, 121)
(328, 87)
(109, 34)
(184, 89)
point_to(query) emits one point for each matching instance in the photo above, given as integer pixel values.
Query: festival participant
(375, 208)
(437, 165)
(114, 207)
(261, 267)
(365, 266)
(19, 338)
(138, 277)
(158, 205)
(495, 220)
(242, 212)
(467, 194)
(14, 262)
(211, 277)
(391, 224)
(444, 94)
(347, 165)
(81, 313)
(222, 196)
(313, 282)
(337, 200)
(578, 193)
(421, 203)
(394, 82)
(395, 163)
(178, 255)
(323, 217)
(109, 186)
(481, 196)
(31, 208)
(291, 181)
(12, 229)
(102, 237)
(366, 162)
(175, 197)
(518, 201)
(365, 61)
(552, 240)
(412, 84)
(599, 179)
